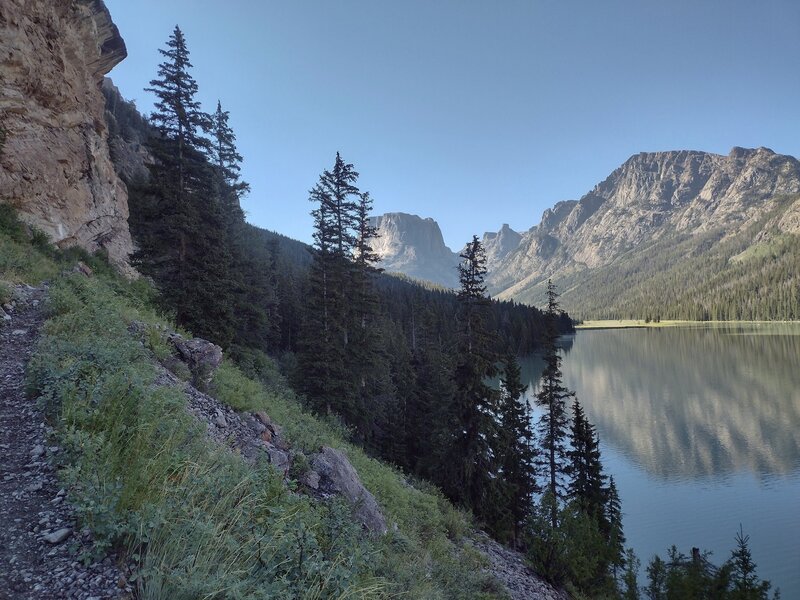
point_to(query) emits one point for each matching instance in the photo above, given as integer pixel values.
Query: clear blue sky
(473, 113)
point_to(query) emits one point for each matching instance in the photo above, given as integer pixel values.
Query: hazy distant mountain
(412, 245)
(667, 230)
(672, 234)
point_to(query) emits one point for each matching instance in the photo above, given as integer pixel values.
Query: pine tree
(178, 115)
(552, 398)
(224, 154)
(585, 468)
(630, 582)
(475, 402)
(328, 323)
(516, 452)
(745, 580)
(178, 218)
(367, 361)
(616, 536)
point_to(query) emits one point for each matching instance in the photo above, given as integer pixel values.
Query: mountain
(501, 244)
(681, 234)
(414, 246)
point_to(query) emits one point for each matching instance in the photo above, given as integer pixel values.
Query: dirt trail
(38, 543)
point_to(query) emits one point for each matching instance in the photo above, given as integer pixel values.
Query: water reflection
(691, 403)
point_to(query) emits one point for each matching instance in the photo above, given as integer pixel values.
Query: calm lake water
(700, 427)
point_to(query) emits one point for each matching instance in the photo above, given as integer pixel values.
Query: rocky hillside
(54, 159)
(414, 246)
(683, 204)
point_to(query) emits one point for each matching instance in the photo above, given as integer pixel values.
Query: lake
(700, 426)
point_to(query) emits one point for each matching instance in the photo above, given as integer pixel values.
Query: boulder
(278, 459)
(201, 356)
(336, 475)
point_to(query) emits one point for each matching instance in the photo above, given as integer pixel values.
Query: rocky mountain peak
(498, 245)
(415, 246)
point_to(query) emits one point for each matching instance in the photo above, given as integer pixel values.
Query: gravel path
(38, 541)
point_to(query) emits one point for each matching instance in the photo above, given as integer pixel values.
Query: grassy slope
(197, 520)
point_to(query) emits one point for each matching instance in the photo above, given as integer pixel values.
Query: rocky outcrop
(201, 356)
(511, 569)
(414, 246)
(54, 159)
(333, 474)
(127, 135)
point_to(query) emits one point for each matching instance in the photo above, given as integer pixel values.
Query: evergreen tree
(177, 114)
(224, 154)
(616, 536)
(745, 581)
(428, 407)
(515, 452)
(326, 353)
(367, 360)
(253, 272)
(630, 583)
(657, 579)
(585, 469)
(178, 218)
(552, 398)
(475, 402)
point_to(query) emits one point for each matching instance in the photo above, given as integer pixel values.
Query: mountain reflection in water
(700, 427)
(690, 402)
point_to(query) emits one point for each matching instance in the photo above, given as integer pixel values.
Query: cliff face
(501, 244)
(650, 198)
(412, 245)
(55, 167)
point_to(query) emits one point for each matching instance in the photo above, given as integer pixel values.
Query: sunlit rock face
(414, 246)
(54, 160)
(651, 196)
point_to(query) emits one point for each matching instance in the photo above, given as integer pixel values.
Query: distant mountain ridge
(613, 252)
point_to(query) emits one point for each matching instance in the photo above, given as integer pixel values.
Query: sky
(473, 113)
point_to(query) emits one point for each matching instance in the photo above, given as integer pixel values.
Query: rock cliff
(55, 167)
(501, 244)
(414, 246)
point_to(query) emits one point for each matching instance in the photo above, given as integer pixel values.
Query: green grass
(142, 474)
(198, 521)
(426, 520)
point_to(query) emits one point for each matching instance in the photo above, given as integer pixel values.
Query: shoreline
(641, 324)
